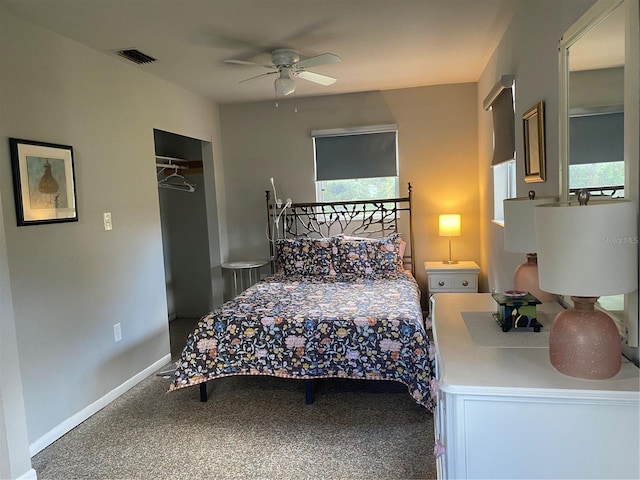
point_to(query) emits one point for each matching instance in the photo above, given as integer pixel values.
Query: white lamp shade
(587, 251)
(519, 228)
(449, 225)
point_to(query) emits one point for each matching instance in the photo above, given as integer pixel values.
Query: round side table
(238, 269)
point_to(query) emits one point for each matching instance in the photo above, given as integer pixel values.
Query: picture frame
(534, 144)
(43, 182)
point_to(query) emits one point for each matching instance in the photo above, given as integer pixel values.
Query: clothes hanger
(175, 181)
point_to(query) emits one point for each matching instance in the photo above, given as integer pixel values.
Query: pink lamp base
(526, 278)
(584, 342)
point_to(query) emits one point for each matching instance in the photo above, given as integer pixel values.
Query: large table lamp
(586, 251)
(449, 226)
(520, 237)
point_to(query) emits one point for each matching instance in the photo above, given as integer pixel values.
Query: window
(500, 102)
(504, 186)
(597, 175)
(356, 164)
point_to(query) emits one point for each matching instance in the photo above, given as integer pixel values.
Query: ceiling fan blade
(251, 64)
(257, 76)
(316, 78)
(322, 59)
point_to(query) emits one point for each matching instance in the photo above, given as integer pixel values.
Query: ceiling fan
(287, 65)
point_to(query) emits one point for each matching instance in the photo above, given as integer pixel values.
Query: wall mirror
(593, 62)
(598, 117)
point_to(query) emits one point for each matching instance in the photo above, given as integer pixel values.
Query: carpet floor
(251, 428)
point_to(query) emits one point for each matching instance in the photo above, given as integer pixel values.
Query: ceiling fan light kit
(287, 64)
(284, 84)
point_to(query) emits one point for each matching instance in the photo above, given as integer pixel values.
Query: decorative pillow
(365, 256)
(401, 248)
(305, 256)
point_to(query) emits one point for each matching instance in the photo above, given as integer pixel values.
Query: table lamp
(449, 226)
(520, 237)
(586, 251)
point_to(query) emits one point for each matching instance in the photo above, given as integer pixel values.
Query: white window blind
(596, 138)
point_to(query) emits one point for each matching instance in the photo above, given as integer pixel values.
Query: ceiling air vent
(136, 56)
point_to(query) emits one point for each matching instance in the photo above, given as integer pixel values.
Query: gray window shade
(596, 138)
(504, 147)
(356, 156)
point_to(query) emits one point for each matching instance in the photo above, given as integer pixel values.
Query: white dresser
(504, 412)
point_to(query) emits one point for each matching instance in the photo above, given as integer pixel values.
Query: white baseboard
(29, 475)
(172, 317)
(75, 420)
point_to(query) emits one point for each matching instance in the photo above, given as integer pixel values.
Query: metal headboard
(363, 218)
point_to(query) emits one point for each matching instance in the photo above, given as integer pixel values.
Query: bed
(341, 302)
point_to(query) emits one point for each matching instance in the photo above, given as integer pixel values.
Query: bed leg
(203, 392)
(308, 392)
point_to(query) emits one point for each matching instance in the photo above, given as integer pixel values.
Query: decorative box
(516, 311)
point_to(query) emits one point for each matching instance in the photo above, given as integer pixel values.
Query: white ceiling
(384, 44)
(602, 46)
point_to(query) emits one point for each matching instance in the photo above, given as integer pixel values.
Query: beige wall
(72, 282)
(535, 66)
(437, 153)
(15, 459)
(596, 88)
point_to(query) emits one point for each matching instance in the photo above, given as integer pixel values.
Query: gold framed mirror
(534, 144)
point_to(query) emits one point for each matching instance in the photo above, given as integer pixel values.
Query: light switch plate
(117, 333)
(107, 221)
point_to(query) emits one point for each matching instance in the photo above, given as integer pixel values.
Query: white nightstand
(461, 277)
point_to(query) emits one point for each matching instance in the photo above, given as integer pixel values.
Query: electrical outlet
(108, 225)
(117, 333)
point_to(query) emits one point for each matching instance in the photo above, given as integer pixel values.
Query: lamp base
(450, 261)
(584, 342)
(526, 278)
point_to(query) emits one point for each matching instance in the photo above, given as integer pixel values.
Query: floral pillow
(305, 256)
(365, 256)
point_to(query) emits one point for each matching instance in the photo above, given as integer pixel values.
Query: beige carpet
(251, 427)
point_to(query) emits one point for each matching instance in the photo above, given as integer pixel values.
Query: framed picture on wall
(534, 147)
(43, 182)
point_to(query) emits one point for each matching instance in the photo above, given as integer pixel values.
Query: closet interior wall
(185, 237)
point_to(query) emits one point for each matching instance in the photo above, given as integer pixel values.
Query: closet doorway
(189, 225)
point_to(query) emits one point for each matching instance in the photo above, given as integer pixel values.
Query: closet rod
(172, 159)
(171, 165)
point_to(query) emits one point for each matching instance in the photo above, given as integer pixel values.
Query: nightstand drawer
(444, 282)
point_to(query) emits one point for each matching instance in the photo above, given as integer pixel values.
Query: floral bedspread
(316, 327)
